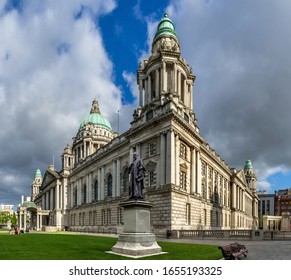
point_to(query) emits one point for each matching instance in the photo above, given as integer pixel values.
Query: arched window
(109, 185)
(75, 197)
(125, 180)
(84, 194)
(96, 190)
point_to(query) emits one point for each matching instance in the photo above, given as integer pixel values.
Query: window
(183, 151)
(108, 216)
(96, 190)
(152, 147)
(149, 115)
(109, 185)
(183, 180)
(120, 216)
(95, 218)
(75, 197)
(186, 117)
(103, 217)
(84, 194)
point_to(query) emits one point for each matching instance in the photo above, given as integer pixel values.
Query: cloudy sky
(57, 56)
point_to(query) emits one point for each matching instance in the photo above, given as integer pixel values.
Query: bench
(233, 251)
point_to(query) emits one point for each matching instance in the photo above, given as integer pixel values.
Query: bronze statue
(136, 179)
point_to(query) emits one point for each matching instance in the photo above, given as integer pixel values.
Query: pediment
(241, 175)
(151, 165)
(49, 177)
(183, 166)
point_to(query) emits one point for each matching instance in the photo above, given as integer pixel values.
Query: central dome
(96, 118)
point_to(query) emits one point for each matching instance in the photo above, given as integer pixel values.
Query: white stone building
(190, 185)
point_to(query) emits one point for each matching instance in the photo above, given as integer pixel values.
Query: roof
(38, 173)
(248, 164)
(29, 204)
(166, 28)
(95, 117)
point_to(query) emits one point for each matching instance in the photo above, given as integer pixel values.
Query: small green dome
(166, 27)
(248, 164)
(95, 117)
(29, 204)
(38, 173)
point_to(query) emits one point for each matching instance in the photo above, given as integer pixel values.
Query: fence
(215, 234)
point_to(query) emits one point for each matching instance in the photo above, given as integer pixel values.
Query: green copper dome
(166, 28)
(29, 204)
(248, 164)
(96, 118)
(38, 173)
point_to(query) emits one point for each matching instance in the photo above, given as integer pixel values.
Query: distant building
(282, 201)
(6, 208)
(266, 204)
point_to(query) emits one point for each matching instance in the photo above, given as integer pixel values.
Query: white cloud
(52, 65)
(264, 185)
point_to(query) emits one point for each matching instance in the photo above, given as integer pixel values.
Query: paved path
(258, 250)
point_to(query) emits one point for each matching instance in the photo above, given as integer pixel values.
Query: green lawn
(35, 246)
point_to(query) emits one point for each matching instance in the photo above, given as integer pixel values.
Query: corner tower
(36, 184)
(165, 79)
(250, 176)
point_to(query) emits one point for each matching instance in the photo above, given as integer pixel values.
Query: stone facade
(189, 184)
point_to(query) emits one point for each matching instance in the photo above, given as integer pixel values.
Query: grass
(35, 246)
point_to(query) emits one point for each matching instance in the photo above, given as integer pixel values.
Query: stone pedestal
(137, 240)
(285, 223)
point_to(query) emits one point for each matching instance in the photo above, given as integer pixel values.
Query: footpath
(258, 250)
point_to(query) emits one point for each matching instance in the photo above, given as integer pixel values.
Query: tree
(4, 217)
(14, 220)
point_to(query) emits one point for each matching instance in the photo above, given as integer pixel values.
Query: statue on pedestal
(136, 179)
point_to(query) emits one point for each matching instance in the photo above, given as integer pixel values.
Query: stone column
(20, 219)
(233, 194)
(193, 171)
(140, 93)
(157, 83)
(198, 173)
(99, 183)
(118, 177)
(170, 163)
(176, 159)
(113, 178)
(37, 221)
(24, 219)
(102, 185)
(149, 88)
(57, 197)
(146, 92)
(179, 84)
(164, 77)
(174, 77)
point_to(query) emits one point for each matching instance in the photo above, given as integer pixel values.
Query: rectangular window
(120, 216)
(183, 151)
(95, 218)
(183, 180)
(109, 216)
(103, 217)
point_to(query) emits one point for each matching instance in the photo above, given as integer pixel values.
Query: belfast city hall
(190, 186)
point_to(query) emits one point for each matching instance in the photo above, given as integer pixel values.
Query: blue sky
(57, 56)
